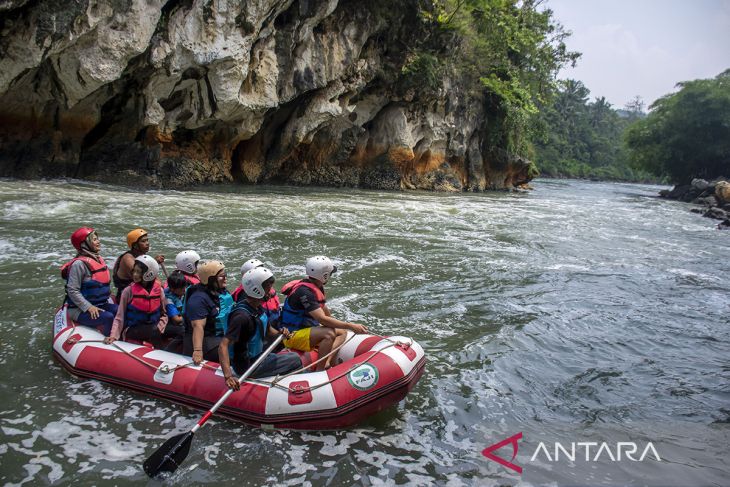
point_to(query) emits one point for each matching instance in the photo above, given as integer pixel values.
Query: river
(580, 312)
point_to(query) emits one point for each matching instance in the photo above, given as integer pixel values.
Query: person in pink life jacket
(142, 311)
(306, 315)
(87, 283)
(270, 303)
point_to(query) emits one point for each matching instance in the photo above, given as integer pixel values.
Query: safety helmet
(320, 268)
(80, 236)
(135, 235)
(253, 281)
(187, 260)
(153, 268)
(250, 264)
(208, 269)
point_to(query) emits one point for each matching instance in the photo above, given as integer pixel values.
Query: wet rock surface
(178, 93)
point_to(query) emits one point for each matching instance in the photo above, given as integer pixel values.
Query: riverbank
(713, 197)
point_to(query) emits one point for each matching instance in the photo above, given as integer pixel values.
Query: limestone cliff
(183, 92)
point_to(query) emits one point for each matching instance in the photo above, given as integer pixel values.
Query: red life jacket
(96, 290)
(144, 307)
(271, 304)
(295, 319)
(291, 286)
(192, 279)
(91, 264)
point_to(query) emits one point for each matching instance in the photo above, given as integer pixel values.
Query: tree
(511, 50)
(687, 133)
(582, 138)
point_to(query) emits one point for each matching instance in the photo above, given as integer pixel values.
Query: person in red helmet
(139, 244)
(87, 283)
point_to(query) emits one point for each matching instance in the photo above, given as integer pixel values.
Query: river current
(580, 313)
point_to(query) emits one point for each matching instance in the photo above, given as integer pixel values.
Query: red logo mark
(487, 452)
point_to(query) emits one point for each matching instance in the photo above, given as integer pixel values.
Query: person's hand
(358, 328)
(94, 312)
(286, 333)
(160, 259)
(233, 383)
(109, 340)
(197, 357)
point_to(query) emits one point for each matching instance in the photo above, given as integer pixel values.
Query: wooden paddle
(174, 451)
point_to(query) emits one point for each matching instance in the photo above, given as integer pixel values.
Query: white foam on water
(210, 453)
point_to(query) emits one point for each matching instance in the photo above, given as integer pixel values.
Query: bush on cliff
(507, 49)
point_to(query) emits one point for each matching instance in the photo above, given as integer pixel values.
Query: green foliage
(583, 139)
(508, 49)
(422, 70)
(687, 133)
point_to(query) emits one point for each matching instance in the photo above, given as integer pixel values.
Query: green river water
(580, 312)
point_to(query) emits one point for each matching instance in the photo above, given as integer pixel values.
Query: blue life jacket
(221, 321)
(296, 319)
(255, 344)
(174, 303)
(96, 290)
(145, 308)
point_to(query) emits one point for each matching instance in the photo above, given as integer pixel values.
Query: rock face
(183, 92)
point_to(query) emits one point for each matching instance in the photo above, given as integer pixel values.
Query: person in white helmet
(142, 307)
(305, 309)
(271, 304)
(187, 262)
(248, 327)
(202, 305)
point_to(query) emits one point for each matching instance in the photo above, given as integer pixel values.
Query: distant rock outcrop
(714, 197)
(173, 93)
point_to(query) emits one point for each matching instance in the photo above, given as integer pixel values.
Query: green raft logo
(364, 377)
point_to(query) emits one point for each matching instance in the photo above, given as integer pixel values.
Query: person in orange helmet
(139, 244)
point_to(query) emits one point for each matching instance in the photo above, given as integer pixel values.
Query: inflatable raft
(376, 373)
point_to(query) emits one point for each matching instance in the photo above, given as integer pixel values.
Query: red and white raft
(376, 373)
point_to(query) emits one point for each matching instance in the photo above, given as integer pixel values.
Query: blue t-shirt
(174, 303)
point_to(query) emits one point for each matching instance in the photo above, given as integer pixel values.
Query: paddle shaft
(243, 377)
(164, 270)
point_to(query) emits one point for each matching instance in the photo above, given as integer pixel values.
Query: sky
(644, 47)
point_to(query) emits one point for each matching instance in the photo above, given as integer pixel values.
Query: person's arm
(238, 324)
(125, 267)
(197, 312)
(225, 362)
(76, 276)
(162, 324)
(332, 322)
(120, 317)
(272, 332)
(198, 334)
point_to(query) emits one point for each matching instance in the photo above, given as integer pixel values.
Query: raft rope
(279, 378)
(165, 369)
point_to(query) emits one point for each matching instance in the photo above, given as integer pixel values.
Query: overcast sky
(644, 47)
